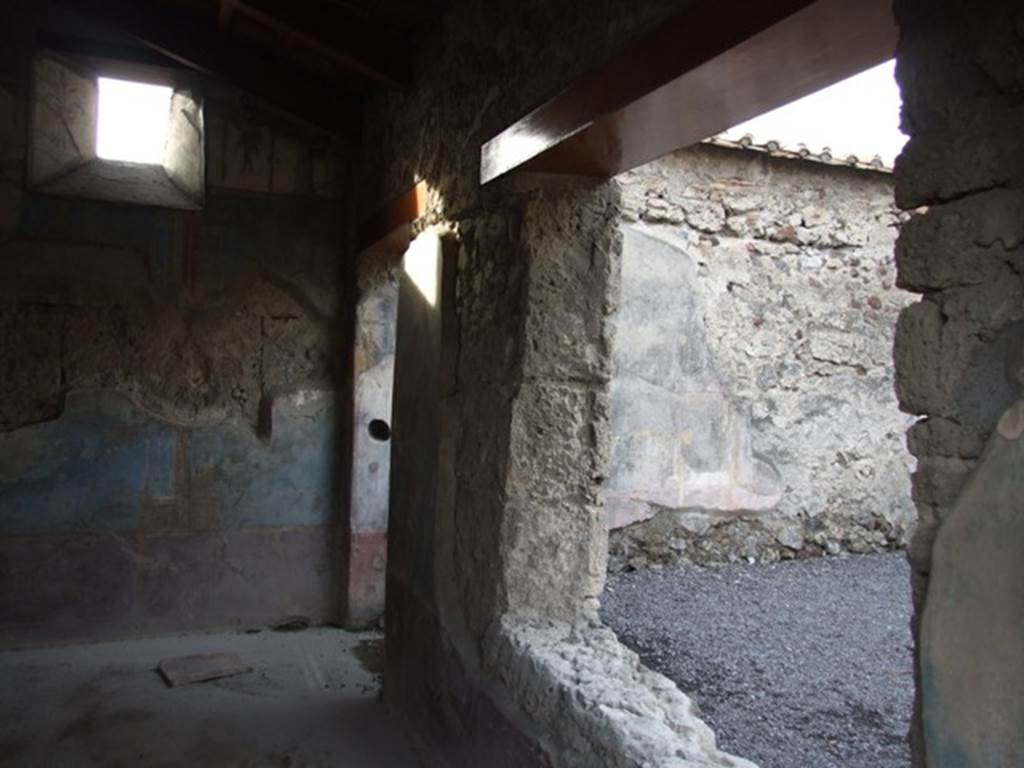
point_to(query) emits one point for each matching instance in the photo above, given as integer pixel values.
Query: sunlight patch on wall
(422, 263)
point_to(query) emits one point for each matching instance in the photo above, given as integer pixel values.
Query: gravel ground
(803, 664)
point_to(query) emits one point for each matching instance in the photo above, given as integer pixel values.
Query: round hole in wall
(379, 430)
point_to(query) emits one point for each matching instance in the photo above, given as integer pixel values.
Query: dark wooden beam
(389, 230)
(707, 69)
(195, 42)
(355, 43)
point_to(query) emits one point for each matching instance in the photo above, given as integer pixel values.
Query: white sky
(132, 122)
(857, 116)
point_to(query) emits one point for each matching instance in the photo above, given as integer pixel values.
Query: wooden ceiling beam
(707, 69)
(196, 43)
(355, 43)
(389, 230)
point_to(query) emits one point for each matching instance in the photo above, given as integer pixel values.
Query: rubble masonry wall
(753, 410)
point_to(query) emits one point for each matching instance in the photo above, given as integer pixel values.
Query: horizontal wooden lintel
(703, 71)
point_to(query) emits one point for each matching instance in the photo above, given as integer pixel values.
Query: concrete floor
(312, 699)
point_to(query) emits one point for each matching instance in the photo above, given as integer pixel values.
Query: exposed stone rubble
(753, 414)
(612, 711)
(194, 354)
(674, 537)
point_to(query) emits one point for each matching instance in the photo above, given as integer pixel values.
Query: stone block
(919, 356)
(705, 216)
(660, 210)
(554, 554)
(200, 667)
(985, 309)
(962, 243)
(572, 252)
(946, 164)
(946, 367)
(555, 441)
(942, 438)
(938, 481)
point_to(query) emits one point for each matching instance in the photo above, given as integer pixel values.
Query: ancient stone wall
(495, 652)
(959, 348)
(753, 409)
(167, 383)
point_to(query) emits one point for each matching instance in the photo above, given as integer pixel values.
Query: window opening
(132, 121)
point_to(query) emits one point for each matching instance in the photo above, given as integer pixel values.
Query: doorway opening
(759, 492)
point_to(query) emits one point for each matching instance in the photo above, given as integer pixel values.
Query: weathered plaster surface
(753, 412)
(373, 372)
(107, 477)
(959, 349)
(196, 318)
(376, 318)
(105, 465)
(205, 326)
(152, 365)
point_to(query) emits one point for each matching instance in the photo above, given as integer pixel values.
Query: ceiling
(317, 59)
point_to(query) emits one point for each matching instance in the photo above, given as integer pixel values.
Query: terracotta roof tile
(800, 152)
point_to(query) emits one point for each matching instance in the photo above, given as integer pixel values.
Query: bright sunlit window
(857, 116)
(132, 121)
